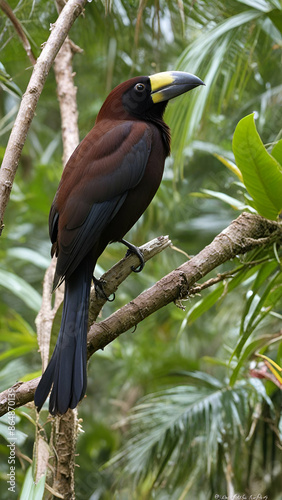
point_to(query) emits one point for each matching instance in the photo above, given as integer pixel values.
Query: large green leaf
(277, 151)
(262, 174)
(21, 288)
(276, 17)
(261, 5)
(29, 256)
(30, 490)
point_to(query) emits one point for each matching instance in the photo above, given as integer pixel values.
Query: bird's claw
(135, 250)
(99, 290)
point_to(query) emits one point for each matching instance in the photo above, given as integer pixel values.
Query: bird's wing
(108, 170)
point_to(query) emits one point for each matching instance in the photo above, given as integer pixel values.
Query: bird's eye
(139, 87)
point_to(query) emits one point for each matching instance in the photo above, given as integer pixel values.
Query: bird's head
(147, 96)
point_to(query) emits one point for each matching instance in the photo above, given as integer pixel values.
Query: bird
(106, 185)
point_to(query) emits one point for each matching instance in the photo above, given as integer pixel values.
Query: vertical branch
(66, 92)
(65, 428)
(47, 313)
(229, 474)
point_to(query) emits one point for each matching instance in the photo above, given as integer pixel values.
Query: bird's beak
(169, 84)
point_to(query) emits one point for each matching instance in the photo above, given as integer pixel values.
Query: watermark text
(11, 438)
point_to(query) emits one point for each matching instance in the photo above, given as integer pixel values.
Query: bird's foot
(135, 250)
(99, 290)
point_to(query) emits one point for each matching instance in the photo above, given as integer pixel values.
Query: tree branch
(19, 29)
(244, 234)
(59, 31)
(121, 270)
(66, 92)
(64, 428)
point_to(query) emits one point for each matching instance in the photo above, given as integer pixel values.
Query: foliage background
(191, 428)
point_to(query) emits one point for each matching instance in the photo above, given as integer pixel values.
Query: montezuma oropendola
(106, 185)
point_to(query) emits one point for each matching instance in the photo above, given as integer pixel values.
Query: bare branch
(121, 270)
(23, 392)
(59, 31)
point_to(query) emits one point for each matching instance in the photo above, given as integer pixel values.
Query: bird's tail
(66, 370)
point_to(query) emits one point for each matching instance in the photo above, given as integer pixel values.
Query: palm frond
(182, 429)
(215, 56)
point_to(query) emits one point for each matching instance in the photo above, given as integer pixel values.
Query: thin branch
(59, 31)
(19, 29)
(121, 270)
(244, 234)
(223, 276)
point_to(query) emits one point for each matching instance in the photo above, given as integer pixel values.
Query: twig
(223, 276)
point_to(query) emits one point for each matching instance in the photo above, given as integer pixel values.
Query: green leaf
(261, 172)
(200, 378)
(203, 305)
(12, 373)
(220, 291)
(233, 202)
(230, 165)
(276, 17)
(7, 83)
(30, 490)
(247, 353)
(21, 289)
(262, 306)
(210, 56)
(30, 376)
(257, 4)
(29, 255)
(15, 353)
(277, 152)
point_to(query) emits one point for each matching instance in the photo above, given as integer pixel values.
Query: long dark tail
(67, 367)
